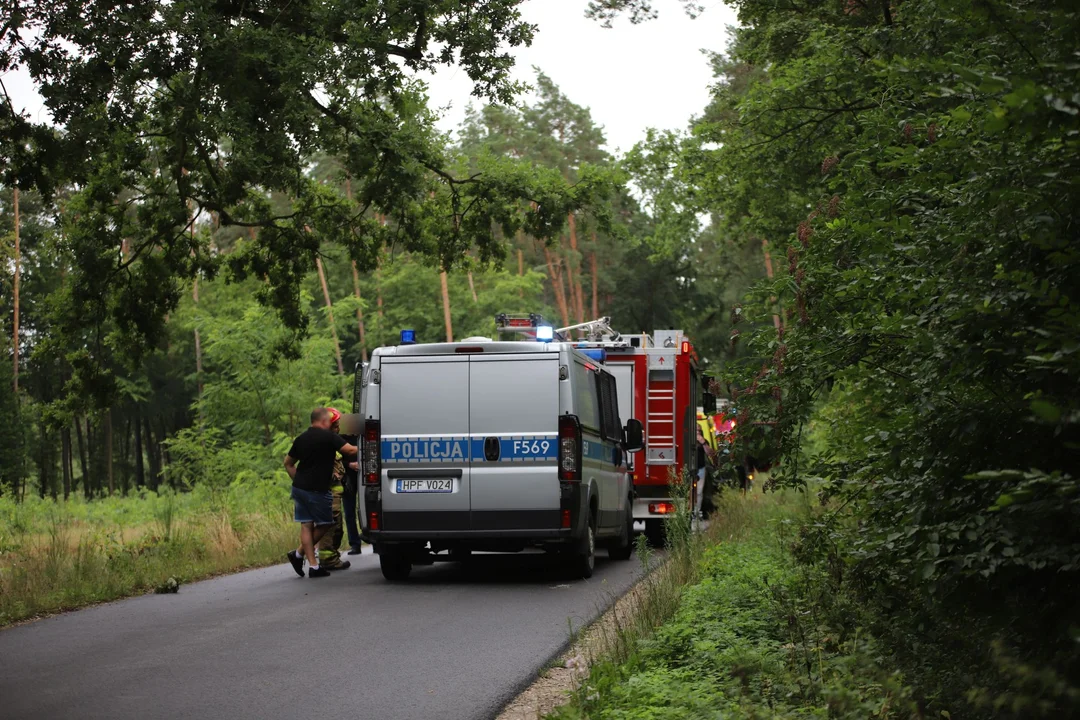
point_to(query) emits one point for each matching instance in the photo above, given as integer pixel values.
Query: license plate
(425, 485)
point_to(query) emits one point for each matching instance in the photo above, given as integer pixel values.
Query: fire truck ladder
(660, 407)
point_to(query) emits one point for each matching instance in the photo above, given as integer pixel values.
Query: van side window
(588, 410)
(616, 423)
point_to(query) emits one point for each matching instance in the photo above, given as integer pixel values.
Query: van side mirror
(635, 435)
(708, 403)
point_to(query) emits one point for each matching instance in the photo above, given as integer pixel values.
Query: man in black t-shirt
(310, 464)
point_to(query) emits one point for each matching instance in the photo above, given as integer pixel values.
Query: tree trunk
(152, 455)
(109, 451)
(43, 464)
(140, 471)
(472, 288)
(446, 307)
(571, 285)
(769, 273)
(15, 287)
(359, 314)
(198, 342)
(125, 450)
(195, 299)
(378, 289)
(595, 297)
(556, 284)
(356, 287)
(330, 315)
(579, 296)
(93, 454)
(521, 270)
(82, 459)
(163, 452)
(65, 460)
(378, 277)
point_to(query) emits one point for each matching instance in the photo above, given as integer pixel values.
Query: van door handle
(492, 449)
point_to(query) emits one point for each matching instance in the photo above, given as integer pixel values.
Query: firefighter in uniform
(329, 557)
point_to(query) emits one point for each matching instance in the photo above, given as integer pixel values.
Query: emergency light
(545, 333)
(597, 354)
(408, 337)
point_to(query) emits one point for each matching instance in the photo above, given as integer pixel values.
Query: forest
(870, 232)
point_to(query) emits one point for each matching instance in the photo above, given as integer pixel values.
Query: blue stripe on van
(512, 448)
(520, 448)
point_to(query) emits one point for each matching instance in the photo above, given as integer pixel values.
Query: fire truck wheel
(625, 547)
(655, 533)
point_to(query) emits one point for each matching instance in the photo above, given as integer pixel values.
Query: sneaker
(318, 572)
(345, 565)
(355, 550)
(297, 562)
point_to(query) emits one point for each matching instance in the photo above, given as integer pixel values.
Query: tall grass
(59, 556)
(657, 597)
(743, 640)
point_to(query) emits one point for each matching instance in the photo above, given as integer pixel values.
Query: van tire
(625, 547)
(584, 557)
(395, 566)
(656, 533)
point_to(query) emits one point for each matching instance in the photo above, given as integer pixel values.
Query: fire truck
(659, 384)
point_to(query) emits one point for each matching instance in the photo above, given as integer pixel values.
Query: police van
(493, 445)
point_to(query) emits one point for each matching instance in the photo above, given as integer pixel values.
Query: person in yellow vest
(708, 458)
(328, 549)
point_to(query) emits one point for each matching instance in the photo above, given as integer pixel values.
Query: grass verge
(724, 631)
(61, 556)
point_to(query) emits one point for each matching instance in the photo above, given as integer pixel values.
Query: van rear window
(588, 409)
(609, 406)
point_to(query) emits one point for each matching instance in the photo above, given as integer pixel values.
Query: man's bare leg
(309, 539)
(307, 543)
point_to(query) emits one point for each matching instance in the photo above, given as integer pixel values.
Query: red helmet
(334, 415)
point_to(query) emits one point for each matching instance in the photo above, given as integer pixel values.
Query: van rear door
(424, 411)
(513, 426)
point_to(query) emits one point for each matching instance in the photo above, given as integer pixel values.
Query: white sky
(632, 77)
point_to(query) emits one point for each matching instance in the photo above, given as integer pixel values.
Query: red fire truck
(659, 384)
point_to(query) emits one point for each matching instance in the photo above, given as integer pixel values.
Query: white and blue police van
(494, 446)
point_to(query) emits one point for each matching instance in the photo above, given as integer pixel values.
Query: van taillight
(569, 448)
(372, 436)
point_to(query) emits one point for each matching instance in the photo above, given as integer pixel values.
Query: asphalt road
(454, 642)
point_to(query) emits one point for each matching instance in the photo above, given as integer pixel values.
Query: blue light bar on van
(545, 333)
(408, 337)
(597, 354)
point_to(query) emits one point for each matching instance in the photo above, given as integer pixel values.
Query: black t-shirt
(315, 450)
(351, 474)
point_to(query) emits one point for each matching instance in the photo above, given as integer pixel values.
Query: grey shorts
(313, 507)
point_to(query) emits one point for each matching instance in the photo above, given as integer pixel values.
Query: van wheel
(625, 547)
(395, 565)
(584, 558)
(655, 533)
